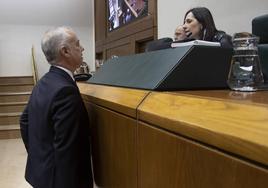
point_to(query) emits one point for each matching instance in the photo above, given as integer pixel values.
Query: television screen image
(121, 12)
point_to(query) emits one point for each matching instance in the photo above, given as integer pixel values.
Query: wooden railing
(34, 69)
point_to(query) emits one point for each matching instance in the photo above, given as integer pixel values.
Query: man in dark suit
(54, 124)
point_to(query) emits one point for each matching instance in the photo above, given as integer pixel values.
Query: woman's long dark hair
(204, 17)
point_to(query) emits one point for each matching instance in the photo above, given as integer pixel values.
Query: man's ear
(64, 51)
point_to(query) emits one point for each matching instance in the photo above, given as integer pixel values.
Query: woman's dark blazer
(223, 38)
(55, 131)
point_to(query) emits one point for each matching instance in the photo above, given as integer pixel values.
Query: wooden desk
(178, 139)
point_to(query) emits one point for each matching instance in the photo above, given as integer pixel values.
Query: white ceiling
(46, 12)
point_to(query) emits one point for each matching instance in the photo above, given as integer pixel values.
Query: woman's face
(191, 25)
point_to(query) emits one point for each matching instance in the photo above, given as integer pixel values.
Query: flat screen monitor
(121, 12)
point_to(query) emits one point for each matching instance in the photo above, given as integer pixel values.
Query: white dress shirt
(67, 71)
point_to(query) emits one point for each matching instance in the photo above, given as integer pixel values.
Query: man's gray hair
(52, 42)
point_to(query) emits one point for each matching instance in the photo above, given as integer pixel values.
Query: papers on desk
(195, 42)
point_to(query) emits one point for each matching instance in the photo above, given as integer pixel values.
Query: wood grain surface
(121, 100)
(234, 126)
(169, 160)
(114, 148)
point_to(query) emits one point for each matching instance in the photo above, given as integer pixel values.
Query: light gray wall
(229, 15)
(45, 12)
(15, 48)
(18, 35)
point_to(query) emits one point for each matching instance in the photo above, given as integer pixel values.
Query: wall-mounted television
(121, 12)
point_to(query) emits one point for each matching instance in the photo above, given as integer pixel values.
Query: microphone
(189, 34)
(187, 39)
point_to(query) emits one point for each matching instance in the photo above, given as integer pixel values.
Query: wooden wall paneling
(120, 42)
(99, 49)
(104, 40)
(130, 29)
(168, 160)
(155, 33)
(100, 21)
(113, 148)
(121, 50)
(99, 45)
(142, 38)
(141, 46)
(144, 35)
(152, 10)
(121, 47)
(132, 45)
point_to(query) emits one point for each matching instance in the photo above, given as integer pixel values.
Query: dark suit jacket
(55, 131)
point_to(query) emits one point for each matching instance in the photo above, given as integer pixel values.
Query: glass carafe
(245, 71)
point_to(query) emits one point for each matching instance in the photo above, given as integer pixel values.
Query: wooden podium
(190, 139)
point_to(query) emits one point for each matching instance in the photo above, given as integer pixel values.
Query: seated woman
(199, 24)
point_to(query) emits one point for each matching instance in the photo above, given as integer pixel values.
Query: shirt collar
(66, 70)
